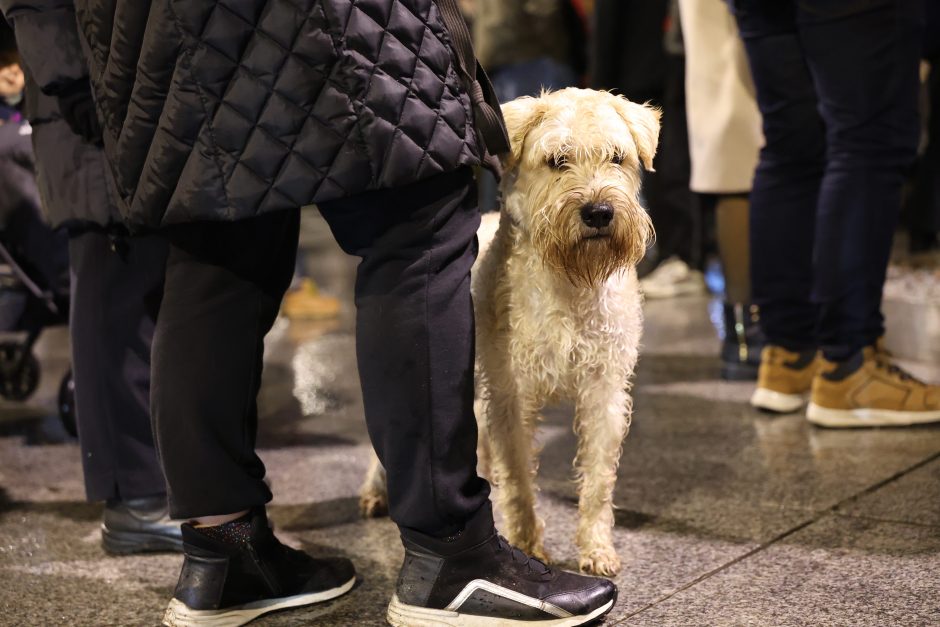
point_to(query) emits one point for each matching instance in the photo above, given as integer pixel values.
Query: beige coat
(724, 123)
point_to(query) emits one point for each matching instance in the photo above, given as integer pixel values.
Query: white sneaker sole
(777, 402)
(179, 615)
(401, 615)
(867, 417)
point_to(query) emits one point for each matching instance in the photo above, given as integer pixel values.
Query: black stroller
(25, 310)
(33, 278)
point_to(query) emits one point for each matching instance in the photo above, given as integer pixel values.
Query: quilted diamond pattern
(223, 109)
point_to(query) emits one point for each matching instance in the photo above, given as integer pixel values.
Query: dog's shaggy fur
(557, 305)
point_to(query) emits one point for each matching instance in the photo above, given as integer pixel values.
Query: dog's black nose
(597, 215)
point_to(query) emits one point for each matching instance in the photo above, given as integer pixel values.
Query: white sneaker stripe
(506, 593)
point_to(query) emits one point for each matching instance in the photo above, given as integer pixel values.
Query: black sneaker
(226, 584)
(490, 583)
(141, 525)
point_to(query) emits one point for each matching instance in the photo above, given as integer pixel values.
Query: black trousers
(115, 299)
(837, 84)
(415, 342)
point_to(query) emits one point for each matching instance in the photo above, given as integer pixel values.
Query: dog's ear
(521, 115)
(643, 122)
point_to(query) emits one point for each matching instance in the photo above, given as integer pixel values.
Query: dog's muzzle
(597, 215)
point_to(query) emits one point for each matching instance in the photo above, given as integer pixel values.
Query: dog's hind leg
(509, 429)
(373, 495)
(601, 422)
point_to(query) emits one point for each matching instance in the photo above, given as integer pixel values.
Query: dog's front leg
(373, 495)
(602, 419)
(509, 426)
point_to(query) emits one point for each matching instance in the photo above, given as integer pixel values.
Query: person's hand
(78, 110)
(11, 81)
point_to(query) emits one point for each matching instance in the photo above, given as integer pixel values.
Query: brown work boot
(307, 303)
(783, 379)
(867, 390)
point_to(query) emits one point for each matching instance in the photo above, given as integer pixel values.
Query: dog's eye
(617, 159)
(557, 162)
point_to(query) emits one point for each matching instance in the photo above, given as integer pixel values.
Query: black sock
(845, 367)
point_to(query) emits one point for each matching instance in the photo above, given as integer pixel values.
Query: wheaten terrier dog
(557, 305)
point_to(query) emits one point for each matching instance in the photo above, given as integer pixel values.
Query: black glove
(78, 110)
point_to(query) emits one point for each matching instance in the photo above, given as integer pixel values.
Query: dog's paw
(373, 505)
(602, 562)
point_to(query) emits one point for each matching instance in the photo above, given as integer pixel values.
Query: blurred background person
(921, 213)
(529, 45)
(837, 86)
(40, 252)
(116, 284)
(724, 140)
(525, 46)
(637, 51)
(12, 81)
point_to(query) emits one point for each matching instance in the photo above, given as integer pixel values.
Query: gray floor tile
(913, 498)
(838, 571)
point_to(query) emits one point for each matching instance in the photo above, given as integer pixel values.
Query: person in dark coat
(116, 283)
(220, 118)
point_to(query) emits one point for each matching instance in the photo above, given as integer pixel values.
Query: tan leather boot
(784, 379)
(869, 391)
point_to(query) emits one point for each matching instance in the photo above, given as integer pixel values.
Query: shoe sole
(777, 402)
(402, 615)
(127, 542)
(867, 417)
(179, 615)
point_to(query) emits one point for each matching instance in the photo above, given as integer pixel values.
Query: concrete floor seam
(830, 511)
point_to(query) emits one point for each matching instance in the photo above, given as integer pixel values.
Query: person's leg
(732, 221)
(783, 202)
(116, 292)
(788, 176)
(868, 95)
(115, 298)
(671, 203)
(922, 210)
(224, 284)
(743, 340)
(415, 344)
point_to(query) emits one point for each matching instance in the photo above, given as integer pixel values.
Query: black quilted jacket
(224, 109)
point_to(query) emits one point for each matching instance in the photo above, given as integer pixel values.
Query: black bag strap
(488, 116)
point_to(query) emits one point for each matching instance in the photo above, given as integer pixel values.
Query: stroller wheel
(67, 404)
(19, 372)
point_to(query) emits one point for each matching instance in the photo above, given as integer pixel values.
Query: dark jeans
(115, 300)
(415, 341)
(671, 204)
(837, 84)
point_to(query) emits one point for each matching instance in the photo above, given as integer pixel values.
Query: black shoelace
(897, 371)
(518, 555)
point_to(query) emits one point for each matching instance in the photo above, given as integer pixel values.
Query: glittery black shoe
(225, 584)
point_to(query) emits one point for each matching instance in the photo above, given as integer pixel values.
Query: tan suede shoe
(871, 392)
(307, 303)
(783, 380)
